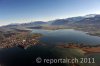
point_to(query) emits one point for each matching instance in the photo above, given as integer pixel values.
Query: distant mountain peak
(87, 19)
(90, 15)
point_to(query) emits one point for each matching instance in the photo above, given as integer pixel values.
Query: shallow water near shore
(22, 57)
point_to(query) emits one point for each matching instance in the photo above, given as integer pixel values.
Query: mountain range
(91, 19)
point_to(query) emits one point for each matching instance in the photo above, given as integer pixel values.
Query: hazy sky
(19, 11)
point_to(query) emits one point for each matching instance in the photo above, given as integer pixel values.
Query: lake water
(17, 56)
(52, 37)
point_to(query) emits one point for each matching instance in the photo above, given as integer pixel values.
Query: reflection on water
(26, 57)
(18, 56)
(66, 36)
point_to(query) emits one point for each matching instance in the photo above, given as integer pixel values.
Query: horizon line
(48, 20)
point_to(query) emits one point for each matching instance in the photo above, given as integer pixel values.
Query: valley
(75, 37)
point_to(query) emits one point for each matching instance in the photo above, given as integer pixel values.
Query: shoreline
(20, 38)
(85, 48)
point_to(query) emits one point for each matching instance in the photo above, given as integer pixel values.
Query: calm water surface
(24, 57)
(66, 36)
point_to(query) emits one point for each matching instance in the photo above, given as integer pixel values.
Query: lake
(52, 37)
(17, 56)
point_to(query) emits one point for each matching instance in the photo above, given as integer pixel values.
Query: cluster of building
(21, 39)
